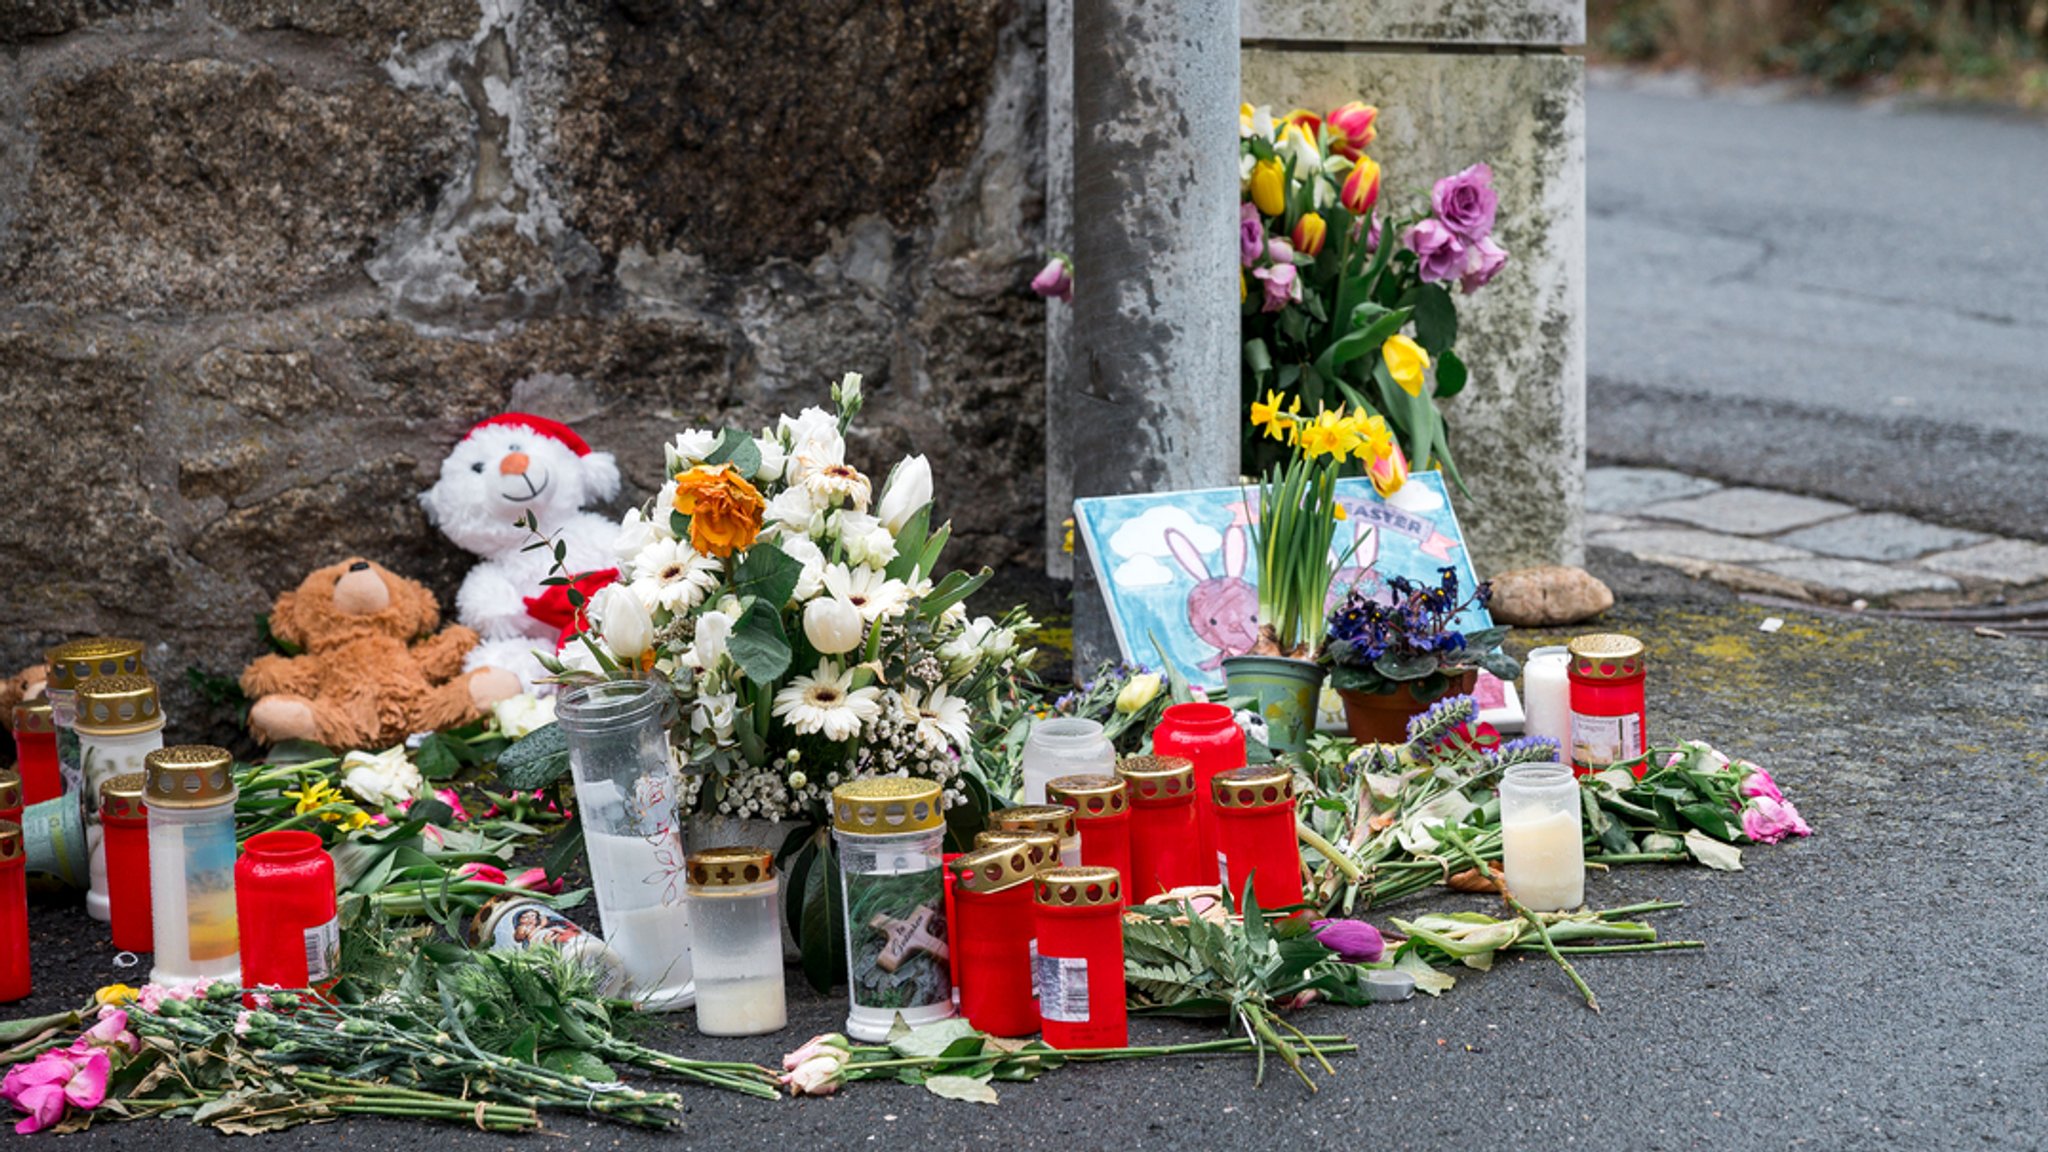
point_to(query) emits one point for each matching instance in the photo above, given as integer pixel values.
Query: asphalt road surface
(1878, 984)
(1840, 299)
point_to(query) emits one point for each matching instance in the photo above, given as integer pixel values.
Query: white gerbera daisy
(827, 702)
(877, 596)
(831, 481)
(941, 719)
(670, 574)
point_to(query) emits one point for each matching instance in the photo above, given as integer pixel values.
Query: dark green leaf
(822, 947)
(1398, 666)
(567, 850)
(957, 586)
(768, 573)
(1257, 358)
(1450, 375)
(739, 450)
(1436, 319)
(579, 1063)
(536, 760)
(758, 644)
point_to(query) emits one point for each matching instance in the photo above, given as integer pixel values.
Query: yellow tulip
(1406, 363)
(1388, 469)
(1269, 187)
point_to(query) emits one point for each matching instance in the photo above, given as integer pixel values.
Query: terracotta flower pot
(1382, 717)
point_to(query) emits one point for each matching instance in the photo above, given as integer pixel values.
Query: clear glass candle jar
(1102, 815)
(1255, 831)
(736, 941)
(1062, 746)
(889, 833)
(191, 798)
(626, 796)
(1543, 843)
(1057, 819)
(118, 721)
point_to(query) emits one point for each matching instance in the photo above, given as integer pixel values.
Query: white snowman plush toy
(507, 468)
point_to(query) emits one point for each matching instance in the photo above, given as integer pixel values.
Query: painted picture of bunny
(1223, 609)
(1353, 562)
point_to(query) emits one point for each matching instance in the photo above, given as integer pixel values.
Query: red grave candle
(1204, 735)
(14, 972)
(284, 903)
(1078, 972)
(992, 898)
(1102, 813)
(1165, 853)
(10, 795)
(35, 746)
(1610, 719)
(952, 923)
(1255, 822)
(124, 823)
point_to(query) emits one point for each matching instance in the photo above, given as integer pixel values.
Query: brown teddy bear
(374, 670)
(26, 684)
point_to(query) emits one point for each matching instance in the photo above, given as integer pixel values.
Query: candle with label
(736, 941)
(888, 831)
(1610, 721)
(1078, 968)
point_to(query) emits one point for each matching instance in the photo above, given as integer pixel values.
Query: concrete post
(1151, 400)
(1059, 237)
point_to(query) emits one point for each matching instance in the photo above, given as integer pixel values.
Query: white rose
(796, 512)
(691, 447)
(715, 714)
(833, 625)
(519, 715)
(773, 458)
(909, 488)
(714, 628)
(380, 778)
(802, 550)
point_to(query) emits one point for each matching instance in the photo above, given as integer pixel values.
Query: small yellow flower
(115, 994)
(1329, 434)
(1342, 514)
(1269, 187)
(1406, 363)
(1067, 537)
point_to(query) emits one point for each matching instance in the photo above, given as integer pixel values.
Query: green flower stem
(1597, 949)
(1330, 852)
(1646, 906)
(1639, 858)
(1234, 1045)
(1534, 921)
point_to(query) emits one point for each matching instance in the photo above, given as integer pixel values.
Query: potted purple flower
(1389, 661)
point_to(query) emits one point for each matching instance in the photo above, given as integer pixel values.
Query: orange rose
(724, 510)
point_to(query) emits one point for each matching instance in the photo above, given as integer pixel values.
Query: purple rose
(1768, 821)
(1354, 941)
(1439, 254)
(1251, 235)
(1055, 281)
(1484, 263)
(1283, 285)
(1466, 202)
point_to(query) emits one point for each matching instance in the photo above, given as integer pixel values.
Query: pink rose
(1767, 821)
(44, 1086)
(1251, 235)
(1485, 262)
(1055, 281)
(1283, 284)
(1439, 253)
(1756, 782)
(111, 1032)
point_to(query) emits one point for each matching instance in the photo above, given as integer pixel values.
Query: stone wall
(263, 261)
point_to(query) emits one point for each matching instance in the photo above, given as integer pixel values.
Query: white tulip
(909, 488)
(622, 621)
(833, 625)
(381, 778)
(714, 628)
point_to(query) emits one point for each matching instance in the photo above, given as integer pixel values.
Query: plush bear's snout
(361, 591)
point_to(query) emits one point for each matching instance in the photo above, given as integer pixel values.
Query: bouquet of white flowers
(800, 619)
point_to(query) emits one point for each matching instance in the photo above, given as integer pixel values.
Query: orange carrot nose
(514, 464)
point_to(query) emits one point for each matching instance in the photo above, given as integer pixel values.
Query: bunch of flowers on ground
(797, 610)
(1331, 284)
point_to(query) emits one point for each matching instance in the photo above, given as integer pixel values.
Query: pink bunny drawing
(1354, 566)
(1223, 610)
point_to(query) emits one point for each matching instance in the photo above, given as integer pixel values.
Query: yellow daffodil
(1271, 415)
(1329, 434)
(1269, 187)
(1406, 363)
(315, 796)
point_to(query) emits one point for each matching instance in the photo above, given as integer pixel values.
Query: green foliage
(536, 760)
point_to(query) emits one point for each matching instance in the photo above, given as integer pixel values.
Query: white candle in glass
(1546, 696)
(1543, 849)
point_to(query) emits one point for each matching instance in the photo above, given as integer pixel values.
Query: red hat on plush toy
(552, 429)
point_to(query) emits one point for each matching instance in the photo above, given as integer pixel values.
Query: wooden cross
(908, 936)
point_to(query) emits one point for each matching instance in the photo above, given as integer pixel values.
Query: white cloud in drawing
(1416, 498)
(1142, 572)
(1146, 534)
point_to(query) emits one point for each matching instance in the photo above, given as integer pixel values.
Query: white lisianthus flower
(381, 778)
(670, 574)
(811, 580)
(867, 589)
(828, 483)
(773, 458)
(909, 488)
(866, 541)
(621, 618)
(636, 534)
(847, 391)
(942, 721)
(518, 715)
(714, 630)
(833, 625)
(795, 512)
(827, 702)
(715, 715)
(954, 616)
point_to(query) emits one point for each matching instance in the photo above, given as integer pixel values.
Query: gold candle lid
(75, 662)
(731, 867)
(1260, 787)
(886, 805)
(10, 789)
(34, 716)
(1153, 779)
(996, 868)
(1091, 797)
(1606, 656)
(118, 706)
(10, 840)
(1085, 887)
(121, 797)
(1042, 849)
(189, 776)
(1052, 818)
